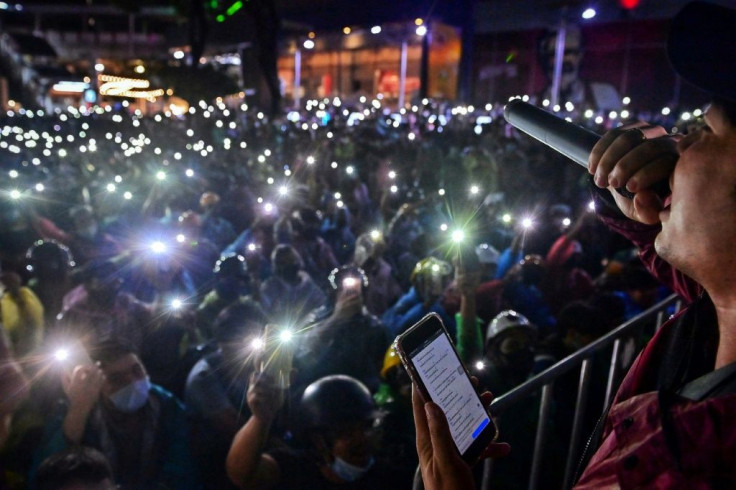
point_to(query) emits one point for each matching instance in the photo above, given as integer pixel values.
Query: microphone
(569, 139)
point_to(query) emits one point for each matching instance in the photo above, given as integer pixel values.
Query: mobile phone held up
(431, 360)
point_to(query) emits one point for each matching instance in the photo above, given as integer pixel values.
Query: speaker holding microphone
(566, 138)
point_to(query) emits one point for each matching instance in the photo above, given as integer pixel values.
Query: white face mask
(133, 396)
(348, 472)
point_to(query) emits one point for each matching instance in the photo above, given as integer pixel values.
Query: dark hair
(76, 465)
(109, 351)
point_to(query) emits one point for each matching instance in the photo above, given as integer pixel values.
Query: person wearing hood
(290, 291)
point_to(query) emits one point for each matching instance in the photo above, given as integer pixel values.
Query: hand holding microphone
(627, 158)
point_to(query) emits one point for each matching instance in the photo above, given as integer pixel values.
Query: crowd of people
(209, 299)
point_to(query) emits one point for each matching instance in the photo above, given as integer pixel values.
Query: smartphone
(352, 284)
(431, 360)
(71, 355)
(278, 354)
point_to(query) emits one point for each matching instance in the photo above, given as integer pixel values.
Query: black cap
(702, 47)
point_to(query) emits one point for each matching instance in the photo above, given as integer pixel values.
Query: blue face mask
(132, 397)
(348, 472)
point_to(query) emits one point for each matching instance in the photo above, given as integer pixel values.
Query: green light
(213, 4)
(234, 7)
(220, 18)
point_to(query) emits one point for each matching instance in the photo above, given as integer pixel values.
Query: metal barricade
(583, 358)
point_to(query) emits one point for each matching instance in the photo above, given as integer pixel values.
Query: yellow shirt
(23, 320)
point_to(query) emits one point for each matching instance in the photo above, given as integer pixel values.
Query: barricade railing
(544, 381)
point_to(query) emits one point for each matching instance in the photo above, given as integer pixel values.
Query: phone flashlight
(527, 223)
(506, 218)
(158, 247)
(61, 354)
(176, 303)
(350, 283)
(257, 344)
(70, 356)
(286, 336)
(458, 236)
(566, 222)
(375, 235)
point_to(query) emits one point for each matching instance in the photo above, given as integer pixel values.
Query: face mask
(348, 472)
(132, 397)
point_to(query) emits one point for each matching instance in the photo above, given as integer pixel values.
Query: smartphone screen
(427, 351)
(450, 388)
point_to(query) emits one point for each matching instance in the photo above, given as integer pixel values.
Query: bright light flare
(61, 355)
(258, 344)
(176, 303)
(589, 13)
(527, 223)
(161, 175)
(458, 236)
(349, 282)
(566, 222)
(158, 247)
(286, 335)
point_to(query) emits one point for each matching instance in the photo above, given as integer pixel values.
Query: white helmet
(506, 320)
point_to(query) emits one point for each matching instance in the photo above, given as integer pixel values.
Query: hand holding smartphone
(431, 360)
(277, 357)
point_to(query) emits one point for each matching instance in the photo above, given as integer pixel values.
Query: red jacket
(633, 452)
